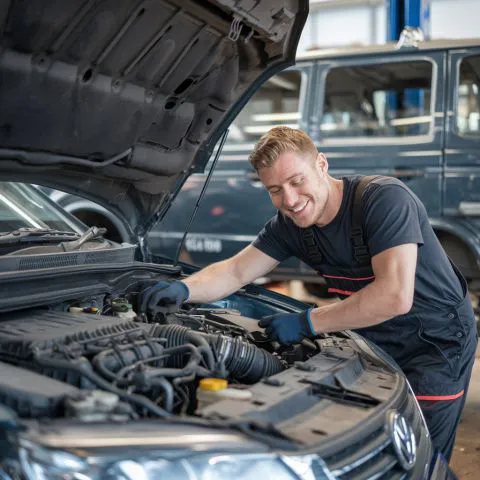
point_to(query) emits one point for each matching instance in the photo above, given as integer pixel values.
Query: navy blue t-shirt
(392, 215)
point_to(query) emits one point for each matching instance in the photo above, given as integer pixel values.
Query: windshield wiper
(91, 234)
(29, 234)
(67, 240)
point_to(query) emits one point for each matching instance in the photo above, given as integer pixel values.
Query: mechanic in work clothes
(371, 240)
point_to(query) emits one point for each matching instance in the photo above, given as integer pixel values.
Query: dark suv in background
(412, 113)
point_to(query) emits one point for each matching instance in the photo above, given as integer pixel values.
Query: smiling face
(300, 188)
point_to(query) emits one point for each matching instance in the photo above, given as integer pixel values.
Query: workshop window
(277, 102)
(468, 97)
(378, 101)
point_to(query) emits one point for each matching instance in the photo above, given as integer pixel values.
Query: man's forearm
(373, 304)
(223, 278)
(213, 282)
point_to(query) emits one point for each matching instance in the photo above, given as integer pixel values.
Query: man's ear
(322, 163)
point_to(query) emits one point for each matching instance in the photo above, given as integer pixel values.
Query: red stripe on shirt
(342, 292)
(439, 398)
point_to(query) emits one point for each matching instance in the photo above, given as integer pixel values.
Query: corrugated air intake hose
(244, 361)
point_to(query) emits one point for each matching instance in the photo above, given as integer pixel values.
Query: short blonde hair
(279, 140)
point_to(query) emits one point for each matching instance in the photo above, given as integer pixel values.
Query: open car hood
(119, 102)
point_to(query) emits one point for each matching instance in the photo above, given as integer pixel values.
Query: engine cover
(20, 334)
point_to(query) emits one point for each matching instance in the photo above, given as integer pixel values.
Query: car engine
(90, 363)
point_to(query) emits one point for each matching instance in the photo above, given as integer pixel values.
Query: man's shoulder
(375, 182)
(379, 187)
(378, 181)
(388, 197)
(388, 188)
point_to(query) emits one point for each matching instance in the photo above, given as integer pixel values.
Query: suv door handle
(405, 174)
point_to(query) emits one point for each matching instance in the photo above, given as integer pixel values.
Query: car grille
(372, 456)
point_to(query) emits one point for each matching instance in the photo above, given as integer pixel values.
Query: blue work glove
(163, 297)
(288, 328)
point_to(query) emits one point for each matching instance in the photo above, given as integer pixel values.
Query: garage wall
(364, 22)
(455, 18)
(344, 25)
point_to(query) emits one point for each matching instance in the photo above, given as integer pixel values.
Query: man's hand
(163, 297)
(288, 328)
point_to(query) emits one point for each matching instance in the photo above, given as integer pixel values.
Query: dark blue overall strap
(360, 249)
(310, 241)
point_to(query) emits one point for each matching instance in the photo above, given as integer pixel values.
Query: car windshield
(23, 206)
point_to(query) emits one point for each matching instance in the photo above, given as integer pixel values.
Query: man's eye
(274, 191)
(297, 182)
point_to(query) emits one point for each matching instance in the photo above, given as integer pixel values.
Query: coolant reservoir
(212, 390)
(123, 309)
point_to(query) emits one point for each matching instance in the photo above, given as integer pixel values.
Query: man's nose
(289, 197)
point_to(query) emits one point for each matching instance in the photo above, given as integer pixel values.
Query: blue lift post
(412, 13)
(395, 19)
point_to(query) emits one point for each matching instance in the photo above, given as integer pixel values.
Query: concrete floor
(466, 454)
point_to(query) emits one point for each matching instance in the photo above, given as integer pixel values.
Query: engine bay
(92, 362)
(91, 358)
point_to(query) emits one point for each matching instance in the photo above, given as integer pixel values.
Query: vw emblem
(403, 440)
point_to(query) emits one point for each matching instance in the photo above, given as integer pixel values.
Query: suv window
(468, 97)
(378, 101)
(277, 102)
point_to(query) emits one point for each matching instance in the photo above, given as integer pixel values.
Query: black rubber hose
(138, 400)
(119, 377)
(109, 361)
(177, 335)
(244, 361)
(189, 369)
(167, 390)
(198, 340)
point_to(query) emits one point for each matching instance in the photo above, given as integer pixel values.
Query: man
(371, 240)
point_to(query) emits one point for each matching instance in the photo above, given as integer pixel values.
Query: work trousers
(436, 351)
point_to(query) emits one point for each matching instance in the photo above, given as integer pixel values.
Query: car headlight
(39, 463)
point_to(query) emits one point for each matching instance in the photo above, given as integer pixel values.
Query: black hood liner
(119, 101)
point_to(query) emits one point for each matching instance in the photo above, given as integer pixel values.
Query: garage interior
(415, 118)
